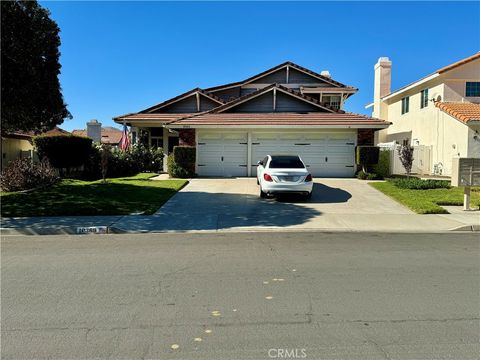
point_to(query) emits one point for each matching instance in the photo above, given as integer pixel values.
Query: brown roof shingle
(285, 119)
(464, 112)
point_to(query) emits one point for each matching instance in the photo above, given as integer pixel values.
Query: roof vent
(326, 73)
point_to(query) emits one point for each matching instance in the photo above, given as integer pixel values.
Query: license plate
(289, 178)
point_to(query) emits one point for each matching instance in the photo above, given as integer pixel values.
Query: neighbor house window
(405, 105)
(423, 98)
(472, 88)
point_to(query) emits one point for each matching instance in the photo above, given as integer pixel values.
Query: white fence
(422, 160)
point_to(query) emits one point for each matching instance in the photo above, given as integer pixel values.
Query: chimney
(382, 84)
(326, 73)
(94, 130)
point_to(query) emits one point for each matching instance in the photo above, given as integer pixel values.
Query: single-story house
(107, 135)
(440, 111)
(287, 109)
(19, 145)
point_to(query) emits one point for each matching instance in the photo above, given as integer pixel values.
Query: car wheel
(263, 194)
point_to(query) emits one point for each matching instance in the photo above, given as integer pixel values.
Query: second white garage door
(325, 154)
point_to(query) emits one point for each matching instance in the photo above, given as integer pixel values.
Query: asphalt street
(241, 296)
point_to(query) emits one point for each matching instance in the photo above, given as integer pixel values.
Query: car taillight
(267, 177)
(308, 178)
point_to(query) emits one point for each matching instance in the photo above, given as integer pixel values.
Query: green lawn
(121, 196)
(427, 201)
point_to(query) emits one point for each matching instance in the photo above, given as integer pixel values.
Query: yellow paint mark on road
(208, 331)
(265, 282)
(269, 297)
(197, 339)
(175, 346)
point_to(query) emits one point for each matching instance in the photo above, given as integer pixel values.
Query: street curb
(473, 228)
(63, 230)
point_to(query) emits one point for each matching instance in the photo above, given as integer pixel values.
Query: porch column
(249, 154)
(165, 149)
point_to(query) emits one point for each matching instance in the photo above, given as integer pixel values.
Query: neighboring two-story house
(287, 109)
(441, 110)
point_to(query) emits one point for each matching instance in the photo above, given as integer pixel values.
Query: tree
(31, 94)
(406, 158)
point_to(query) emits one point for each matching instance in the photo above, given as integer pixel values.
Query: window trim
(477, 85)
(424, 98)
(405, 105)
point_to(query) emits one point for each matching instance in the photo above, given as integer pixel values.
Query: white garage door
(325, 154)
(222, 154)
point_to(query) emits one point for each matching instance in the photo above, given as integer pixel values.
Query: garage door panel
(325, 154)
(222, 154)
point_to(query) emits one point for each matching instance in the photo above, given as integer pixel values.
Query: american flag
(125, 140)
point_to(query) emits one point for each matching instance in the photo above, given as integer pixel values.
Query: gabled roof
(266, 89)
(464, 112)
(459, 63)
(161, 118)
(29, 134)
(433, 75)
(274, 69)
(181, 97)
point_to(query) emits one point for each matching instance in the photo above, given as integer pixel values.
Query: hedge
(367, 155)
(181, 164)
(63, 151)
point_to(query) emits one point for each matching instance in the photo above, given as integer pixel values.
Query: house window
(156, 142)
(424, 98)
(134, 137)
(405, 105)
(472, 88)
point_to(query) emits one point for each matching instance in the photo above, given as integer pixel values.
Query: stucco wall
(12, 148)
(474, 141)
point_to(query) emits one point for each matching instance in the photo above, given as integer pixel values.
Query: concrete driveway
(234, 204)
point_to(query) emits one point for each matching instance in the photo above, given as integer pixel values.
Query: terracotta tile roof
(110, 135)
(28, 134)
(459, 63)
(283, 119)
(464, 112)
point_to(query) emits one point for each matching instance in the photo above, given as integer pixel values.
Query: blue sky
(120, 57)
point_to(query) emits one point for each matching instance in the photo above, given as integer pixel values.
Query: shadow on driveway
(191, 210)
(322, 194)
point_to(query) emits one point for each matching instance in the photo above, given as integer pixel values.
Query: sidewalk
(161, 222)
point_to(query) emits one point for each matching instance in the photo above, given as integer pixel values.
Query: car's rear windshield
(286, 162)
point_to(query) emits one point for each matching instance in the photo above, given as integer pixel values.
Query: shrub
(362, 175)
(419, 184)
(22, 174)
(147, 159)
(382, 169)
(181, 164)
(63, 151)
(405, 152)
(367, 155)
(373, 176)
(122, 164)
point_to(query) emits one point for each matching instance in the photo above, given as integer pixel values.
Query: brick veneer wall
(365, 136)
(186, 137)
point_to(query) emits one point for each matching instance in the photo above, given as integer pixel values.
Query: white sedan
(283, 174)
